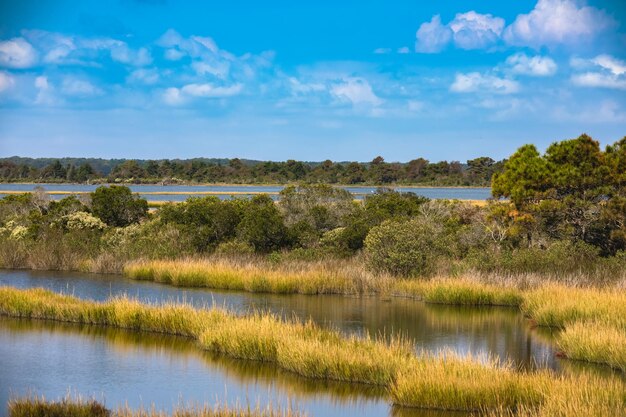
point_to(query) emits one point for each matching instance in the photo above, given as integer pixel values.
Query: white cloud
(173, 54)
(298, 87)
(138, 58)
(62, 49)
(473, 30)
(538, 66)
(432, 36)
(554, 22)
(404, 50)
(207, 42)
(80, 88)
(17, 53)
(173, 96)
(46, 91)
(476, 82)
(218, 69)
(603, 71)
(616, 66)
(382, 51)
(6, 81)
(598, 79)
(356, 91)
(211, 91)
(144, 75)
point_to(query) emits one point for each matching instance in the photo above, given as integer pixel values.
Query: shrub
(262, 225)
(406, 247)
(117, 206)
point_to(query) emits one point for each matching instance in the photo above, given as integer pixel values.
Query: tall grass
(222, 273)
(594, 342)
(550, 304)
(589, 396)
(557, 305)
(468, 384)
(36, 406)
(440, 381)
(459, 291)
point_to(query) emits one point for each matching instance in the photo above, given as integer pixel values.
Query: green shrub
(406, 247)
(117, 206)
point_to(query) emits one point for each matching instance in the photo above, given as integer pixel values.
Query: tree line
(475, 172)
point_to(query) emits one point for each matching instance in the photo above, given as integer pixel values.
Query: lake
(223, 190)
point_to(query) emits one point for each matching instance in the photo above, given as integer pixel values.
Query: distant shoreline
(254, 185)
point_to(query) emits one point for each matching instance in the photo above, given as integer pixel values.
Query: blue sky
(308, 80)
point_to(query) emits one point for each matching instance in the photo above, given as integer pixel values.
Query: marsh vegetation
(552, 244)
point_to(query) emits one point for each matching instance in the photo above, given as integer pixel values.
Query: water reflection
(120, 366)
(500, 332)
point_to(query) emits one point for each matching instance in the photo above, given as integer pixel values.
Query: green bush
(262, 225)
(117, 206)
(406, 247)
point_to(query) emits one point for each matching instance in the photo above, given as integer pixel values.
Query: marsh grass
(558, 306)
(459, 291)
(594, 342)
(38, 406)
(551, 304)
(589, 396)
(224, 273)
(440, 381)
(464, 383)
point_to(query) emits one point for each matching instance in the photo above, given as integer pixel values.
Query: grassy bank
(320, 278)
(548, 304)
(35, 406)
(437, 381)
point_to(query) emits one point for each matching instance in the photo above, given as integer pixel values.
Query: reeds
(36, 406)
(459, 291)
(594, 342)
(441, 381)
(249, 276)
(468, 384)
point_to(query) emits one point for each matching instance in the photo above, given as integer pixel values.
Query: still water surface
(123, 366)
(440, 192)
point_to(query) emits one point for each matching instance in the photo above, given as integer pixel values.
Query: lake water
(120, 366)
(434, 193)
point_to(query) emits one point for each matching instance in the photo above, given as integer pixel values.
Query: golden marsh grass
(439, 381)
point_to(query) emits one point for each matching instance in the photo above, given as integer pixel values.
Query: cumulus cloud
(475, 82)
(356, 91)
(551, 22)
(608, 62)
(173, 97)
(17, 53)
(212, 91)
(61, 49)
(554, 22)
(604, 71)
(6, 81)
(468, 30)
(144, 75)
(473, 30)
(432, 36)
(138, 58)
(537, 66)
(79, 88)
(173, 54)
(219, 69)
(404, 50)
(297, 87)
